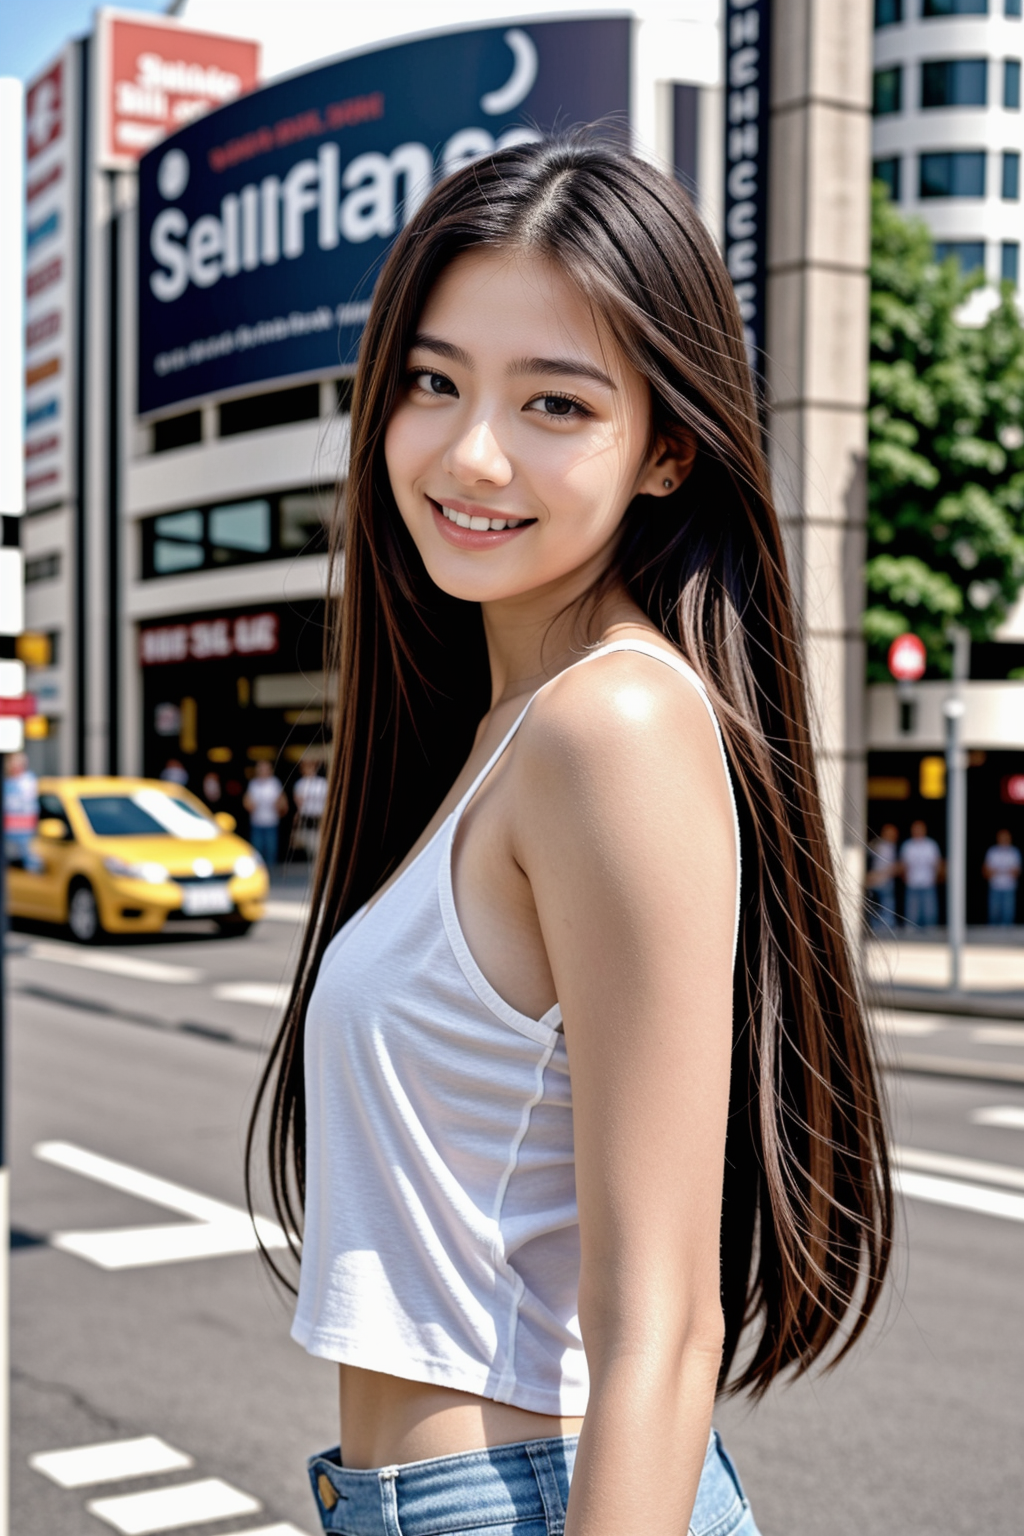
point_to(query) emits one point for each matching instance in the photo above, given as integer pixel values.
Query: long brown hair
(807, 1213)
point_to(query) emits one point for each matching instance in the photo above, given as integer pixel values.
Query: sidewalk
(913, 971)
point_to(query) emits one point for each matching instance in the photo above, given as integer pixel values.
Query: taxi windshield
(147, 813)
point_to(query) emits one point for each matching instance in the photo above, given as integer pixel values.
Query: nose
(476, 456)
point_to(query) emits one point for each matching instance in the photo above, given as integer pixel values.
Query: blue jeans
(882, 908)
(264, 840)
(507, 1490)
(921, 908)
(1002, 907)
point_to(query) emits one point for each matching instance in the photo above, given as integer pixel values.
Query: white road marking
(168, 1509)
(109, 1462)
(907, 1024)
(265, 994)
(964, 1197)
(999, 1034)
(1009, 1117)
(218, 1229)
(114, 964)
(958, 1167)
(285, 912)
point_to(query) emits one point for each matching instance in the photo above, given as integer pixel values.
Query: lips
(469, 526)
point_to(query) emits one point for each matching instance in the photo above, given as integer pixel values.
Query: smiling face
(520, 434)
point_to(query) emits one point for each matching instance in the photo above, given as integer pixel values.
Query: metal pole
(956, 809)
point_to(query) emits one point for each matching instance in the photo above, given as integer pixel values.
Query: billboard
(52, 108)
(262, 226)
(156, 76)
(747, 68)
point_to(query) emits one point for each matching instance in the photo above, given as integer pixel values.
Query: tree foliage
(945, 448)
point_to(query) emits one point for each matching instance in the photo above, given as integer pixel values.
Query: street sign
(23, 707)
(907, 658)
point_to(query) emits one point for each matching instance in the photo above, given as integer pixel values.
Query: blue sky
(31, 31)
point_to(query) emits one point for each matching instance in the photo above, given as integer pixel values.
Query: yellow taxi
(115, 855)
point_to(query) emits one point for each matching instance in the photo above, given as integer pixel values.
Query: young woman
(583, 1122)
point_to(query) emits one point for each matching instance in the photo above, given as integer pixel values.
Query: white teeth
(481, 524)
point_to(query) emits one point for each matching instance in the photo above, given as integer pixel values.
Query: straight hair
(807, 1211)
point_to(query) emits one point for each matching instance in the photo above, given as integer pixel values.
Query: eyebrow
(533, 367)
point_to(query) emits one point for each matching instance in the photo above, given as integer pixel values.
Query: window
(888, 12)
(177, 431)
(1012, 8)
(888, 170)
(955, 7)
(273, 527)
(956, 173)
(43, 568)
(275, 409)
(888, 91)
(954, 83)
(1009, 266)
(969, 253)
(1011, 175)
(1011, 85)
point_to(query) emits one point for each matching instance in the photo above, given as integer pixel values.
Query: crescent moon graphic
(520, 82)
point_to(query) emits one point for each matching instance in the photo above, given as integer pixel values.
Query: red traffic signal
(907, 658)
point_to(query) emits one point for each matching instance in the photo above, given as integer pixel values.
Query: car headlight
(152, 874)
(246, 866)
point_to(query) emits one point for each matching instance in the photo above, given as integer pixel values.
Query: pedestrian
(1002, 871)
(883, 863)
(266, 803)
(310, 796)
(568, 682)
(212, 791)
(175, 772)
(20, 813)
(921, 866)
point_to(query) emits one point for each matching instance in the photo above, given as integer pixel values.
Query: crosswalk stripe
(285, 912)
(114, 964)
(959, 1167)
(218, 1230)
(965, 1197)
(109, 1462)
(168, 1509)
(1009, 1117)
(998, 1034)
(265, 994)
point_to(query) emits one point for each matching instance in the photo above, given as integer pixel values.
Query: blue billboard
(262, 226)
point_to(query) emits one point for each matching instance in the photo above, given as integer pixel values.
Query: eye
(431, 383)
(559, 407)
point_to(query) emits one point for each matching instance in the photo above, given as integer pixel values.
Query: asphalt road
(146, 1056)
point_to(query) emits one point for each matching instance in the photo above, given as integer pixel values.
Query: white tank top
(441, 1234)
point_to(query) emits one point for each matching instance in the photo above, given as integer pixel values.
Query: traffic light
(932, 778)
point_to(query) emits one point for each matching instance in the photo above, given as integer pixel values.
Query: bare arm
(630, 854)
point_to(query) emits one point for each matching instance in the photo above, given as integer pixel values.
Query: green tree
(945, 449)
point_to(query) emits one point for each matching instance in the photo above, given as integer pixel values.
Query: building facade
(948, 125)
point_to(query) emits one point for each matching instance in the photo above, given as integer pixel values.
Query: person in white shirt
(310, 796)
(922, 867)
(1002, 871)
(266, 803)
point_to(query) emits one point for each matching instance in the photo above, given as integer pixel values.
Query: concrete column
(817, 345)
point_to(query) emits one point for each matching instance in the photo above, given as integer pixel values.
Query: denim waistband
(500, 1485)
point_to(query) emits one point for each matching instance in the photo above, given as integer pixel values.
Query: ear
(670, 463)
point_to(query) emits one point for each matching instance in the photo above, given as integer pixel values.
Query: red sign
(1013, 789)
(24, 706)
(157, 76)
(251, 634)
(907, 658)
(44, 110)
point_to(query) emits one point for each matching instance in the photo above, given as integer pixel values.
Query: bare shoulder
(622, 722)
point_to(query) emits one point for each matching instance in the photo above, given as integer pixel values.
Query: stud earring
(667, 484)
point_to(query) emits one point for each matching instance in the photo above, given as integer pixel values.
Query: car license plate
(205, 900)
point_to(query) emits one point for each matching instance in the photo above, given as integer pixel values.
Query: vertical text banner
(747, 76)
(52, 197)
(262, 226)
